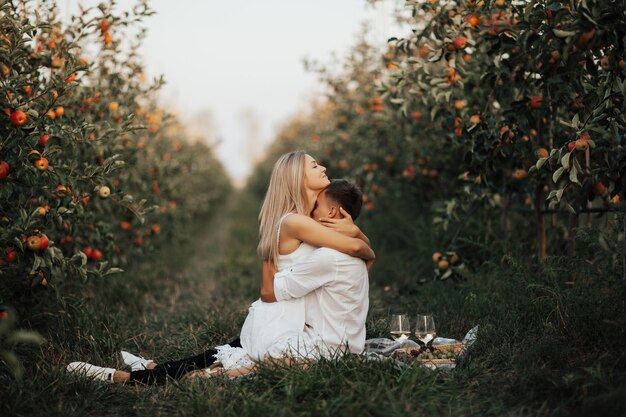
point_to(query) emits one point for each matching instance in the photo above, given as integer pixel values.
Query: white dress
(272, 329)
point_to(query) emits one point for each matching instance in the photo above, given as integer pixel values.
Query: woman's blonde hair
(285, 194)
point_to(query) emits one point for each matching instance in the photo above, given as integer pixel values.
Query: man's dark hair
(346, 195)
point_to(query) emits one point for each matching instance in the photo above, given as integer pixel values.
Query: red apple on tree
(581, 145)
(460, 42)
(96, 255)
(18, 118)
(535, 102)
(41, 164)
(33, 242)
(520, 174)
(44, 241)
(4, 170)
(104, 25)
(10, 255)
(599, 188)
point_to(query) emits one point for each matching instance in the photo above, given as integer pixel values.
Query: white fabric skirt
(273, 330)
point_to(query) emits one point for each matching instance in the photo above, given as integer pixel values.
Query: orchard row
(93, 174)
(491, 107)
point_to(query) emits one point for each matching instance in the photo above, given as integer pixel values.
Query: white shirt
(336, 288)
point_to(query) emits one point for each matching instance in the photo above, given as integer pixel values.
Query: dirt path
(191, 266)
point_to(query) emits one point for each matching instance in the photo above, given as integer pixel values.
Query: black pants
(176, 369)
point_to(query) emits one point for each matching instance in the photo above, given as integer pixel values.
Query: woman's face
(314, 174)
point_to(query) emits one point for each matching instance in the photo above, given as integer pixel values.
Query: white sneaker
(91, 371)
(136, 363)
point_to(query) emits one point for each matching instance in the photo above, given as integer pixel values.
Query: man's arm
(309, 274)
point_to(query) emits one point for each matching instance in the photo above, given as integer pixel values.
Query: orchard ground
(543, 349)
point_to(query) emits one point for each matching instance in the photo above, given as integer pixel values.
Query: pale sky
(238, 60)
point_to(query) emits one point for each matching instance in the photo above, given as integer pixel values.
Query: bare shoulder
(297, 220)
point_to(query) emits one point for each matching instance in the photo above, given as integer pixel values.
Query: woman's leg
(121, 377)
(176, 369)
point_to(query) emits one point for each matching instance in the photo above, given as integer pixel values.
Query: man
(336, 286)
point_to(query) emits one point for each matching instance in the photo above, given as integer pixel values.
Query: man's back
(336, 288)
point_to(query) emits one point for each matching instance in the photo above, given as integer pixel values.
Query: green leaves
(573, 176)
(563, 33)
(557, 174)
(565, 161)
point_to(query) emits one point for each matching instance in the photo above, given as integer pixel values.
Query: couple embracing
(314, 292)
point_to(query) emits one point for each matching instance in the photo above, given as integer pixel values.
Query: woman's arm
(308, 230)
(267, 282)
(345, 226)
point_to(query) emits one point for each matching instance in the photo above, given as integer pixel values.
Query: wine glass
(400, 327)
(425, 328)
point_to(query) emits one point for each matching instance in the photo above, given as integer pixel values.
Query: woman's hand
(345, 226)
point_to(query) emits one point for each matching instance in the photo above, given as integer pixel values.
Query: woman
(287, 233)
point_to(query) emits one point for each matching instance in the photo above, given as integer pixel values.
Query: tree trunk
(505, 218)
(541, 225)
(571, 237)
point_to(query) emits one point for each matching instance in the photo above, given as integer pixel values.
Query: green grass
(543, 349)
